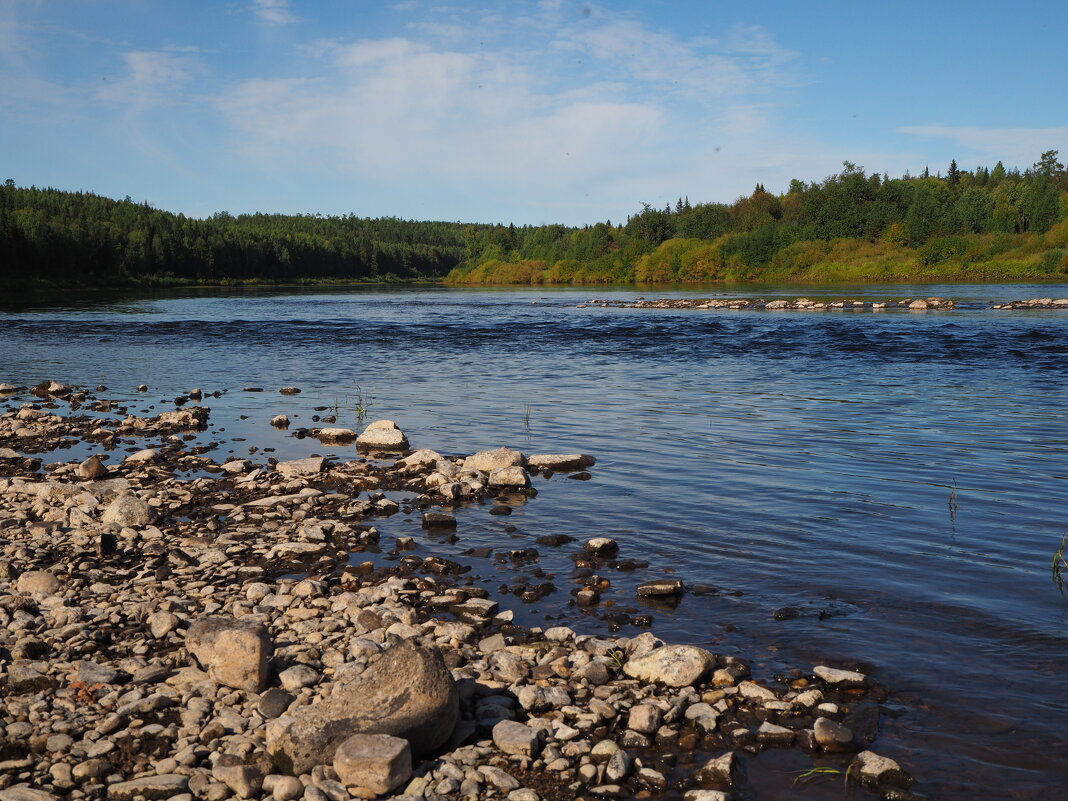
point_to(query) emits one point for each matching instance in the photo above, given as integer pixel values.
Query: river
(882, 490)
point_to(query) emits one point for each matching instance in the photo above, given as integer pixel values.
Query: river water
(893, 484)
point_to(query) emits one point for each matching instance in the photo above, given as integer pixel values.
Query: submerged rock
(337, 436)
(871, 768)
(561, 462)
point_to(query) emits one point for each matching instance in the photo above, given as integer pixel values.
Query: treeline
(51, 237)
(982, 224)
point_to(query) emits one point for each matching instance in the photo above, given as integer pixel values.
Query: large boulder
(673, 665)
(127, 510)
(406, 692)
(234, 652)
(487, 461)
(382, 435)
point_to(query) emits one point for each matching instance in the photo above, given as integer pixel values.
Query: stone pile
(1034, 303)
(798, 304)
(167, 638)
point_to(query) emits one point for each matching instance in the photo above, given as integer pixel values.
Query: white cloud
(1014, 146)
(276, 12)
(492, 105)
(398, 110)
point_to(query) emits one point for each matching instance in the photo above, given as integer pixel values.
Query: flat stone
(673, 665)
(421, 458)
(707, 795)
(24, 678)
(38, 582)
(195, 417)
(144, 456)
(234, 652)
(93, 673)
(754, 692)
(840, 678)
(661, 588)
(438, 520)
(516, 738)
(23, 792)
(378, 762)
(498, 778)
(561, 462)
(487, 461)
(772, 733)
(301, 467)
(149, 787)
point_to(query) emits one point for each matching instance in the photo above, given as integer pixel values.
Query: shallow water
(899, 478)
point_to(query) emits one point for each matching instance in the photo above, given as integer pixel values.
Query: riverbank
(972, 258)
(126, 584)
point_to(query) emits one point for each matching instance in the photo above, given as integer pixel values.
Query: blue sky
(522, 111)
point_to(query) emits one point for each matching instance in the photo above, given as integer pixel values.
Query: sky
(523, 111)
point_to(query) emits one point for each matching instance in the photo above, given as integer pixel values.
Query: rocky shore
(805, 304)
(172, 627)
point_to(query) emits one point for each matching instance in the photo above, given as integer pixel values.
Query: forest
(986, 224)
(54, 238)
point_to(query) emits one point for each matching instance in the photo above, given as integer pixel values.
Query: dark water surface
(899, 478)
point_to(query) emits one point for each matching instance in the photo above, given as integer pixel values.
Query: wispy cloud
(276, 12)
(701, 69)
(1019, 146)
(152, 77)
